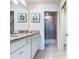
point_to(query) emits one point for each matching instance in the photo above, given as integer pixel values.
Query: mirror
(11, 22)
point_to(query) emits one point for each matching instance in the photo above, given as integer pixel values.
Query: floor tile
(50, 52)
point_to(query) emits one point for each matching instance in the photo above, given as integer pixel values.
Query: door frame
(61, 47)
(57, 27)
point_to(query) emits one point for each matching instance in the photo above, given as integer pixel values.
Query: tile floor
(50, 52)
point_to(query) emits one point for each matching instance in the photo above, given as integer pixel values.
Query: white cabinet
(21, 49)
(28, 48)
(35, 45)
(14, 55)
(22, 53)
(37, 40)
(19, 54)
(34, 48)
(25, 48)
(17, 44)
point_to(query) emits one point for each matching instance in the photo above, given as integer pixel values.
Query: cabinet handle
(21, 53)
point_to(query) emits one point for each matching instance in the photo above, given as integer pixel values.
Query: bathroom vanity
(24, 46)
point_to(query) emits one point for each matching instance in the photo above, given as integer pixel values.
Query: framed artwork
(22, 17)
(35, 17)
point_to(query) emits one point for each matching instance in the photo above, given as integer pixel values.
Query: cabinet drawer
(17, 44)
(19, 54)
(22, 53)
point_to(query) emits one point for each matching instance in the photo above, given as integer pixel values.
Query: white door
(63, 28)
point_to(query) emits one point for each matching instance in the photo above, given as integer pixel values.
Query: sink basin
(14, 35)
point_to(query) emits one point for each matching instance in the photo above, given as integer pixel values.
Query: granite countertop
(20, 35)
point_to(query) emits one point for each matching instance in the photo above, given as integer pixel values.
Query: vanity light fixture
(22, 2)
(14, 1)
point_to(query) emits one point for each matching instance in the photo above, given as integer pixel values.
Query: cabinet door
(37, 39)
(37, 43)
(34, 47)
(28, 51)
(22, 53)
(19, 54)
(14, 55)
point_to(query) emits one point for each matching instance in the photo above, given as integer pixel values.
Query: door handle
(66, 35)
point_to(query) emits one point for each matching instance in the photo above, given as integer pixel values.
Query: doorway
(50, 28)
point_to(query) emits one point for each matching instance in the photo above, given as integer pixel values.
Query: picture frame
(22, 17)
(35, 17)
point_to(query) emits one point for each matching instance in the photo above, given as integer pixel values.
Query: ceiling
(35, 2)
(43, 1)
